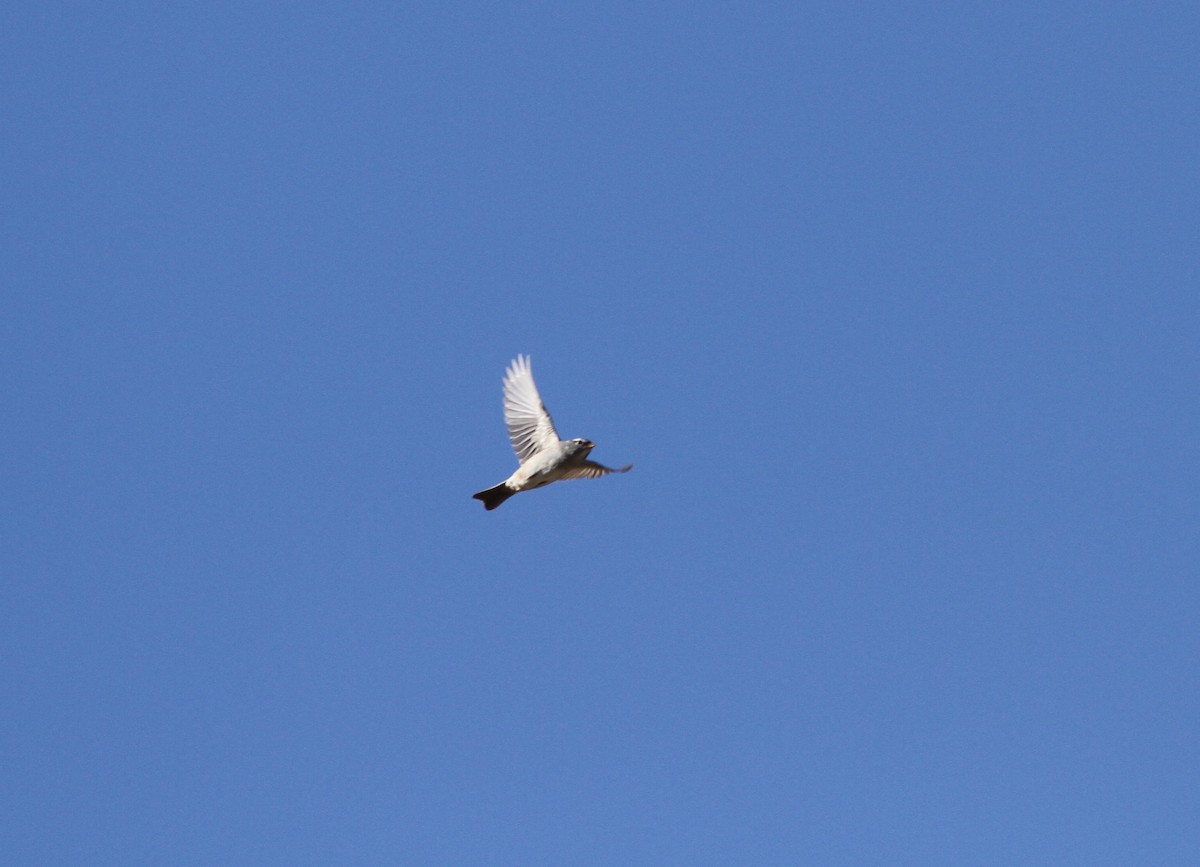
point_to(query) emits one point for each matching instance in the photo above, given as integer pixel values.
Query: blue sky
(892, 305)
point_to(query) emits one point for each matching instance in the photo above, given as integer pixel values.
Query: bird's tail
(493, 497)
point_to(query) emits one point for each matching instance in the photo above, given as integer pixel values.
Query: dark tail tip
(493, 497)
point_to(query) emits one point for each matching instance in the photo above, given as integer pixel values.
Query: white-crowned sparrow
(544, 457)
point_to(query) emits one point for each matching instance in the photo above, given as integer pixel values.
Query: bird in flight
(544, 457)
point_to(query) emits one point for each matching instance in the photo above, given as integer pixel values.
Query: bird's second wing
(530, 427)
(592, 470)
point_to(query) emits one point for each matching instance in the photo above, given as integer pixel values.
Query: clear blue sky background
(895, 307)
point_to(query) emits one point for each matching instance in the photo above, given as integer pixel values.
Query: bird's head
(580, 445)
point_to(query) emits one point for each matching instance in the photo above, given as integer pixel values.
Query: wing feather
(592, 470)
(530, 428)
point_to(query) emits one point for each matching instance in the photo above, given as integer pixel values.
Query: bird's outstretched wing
(530, 427)
(592, 470)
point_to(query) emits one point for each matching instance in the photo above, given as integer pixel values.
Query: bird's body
(544, 457)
